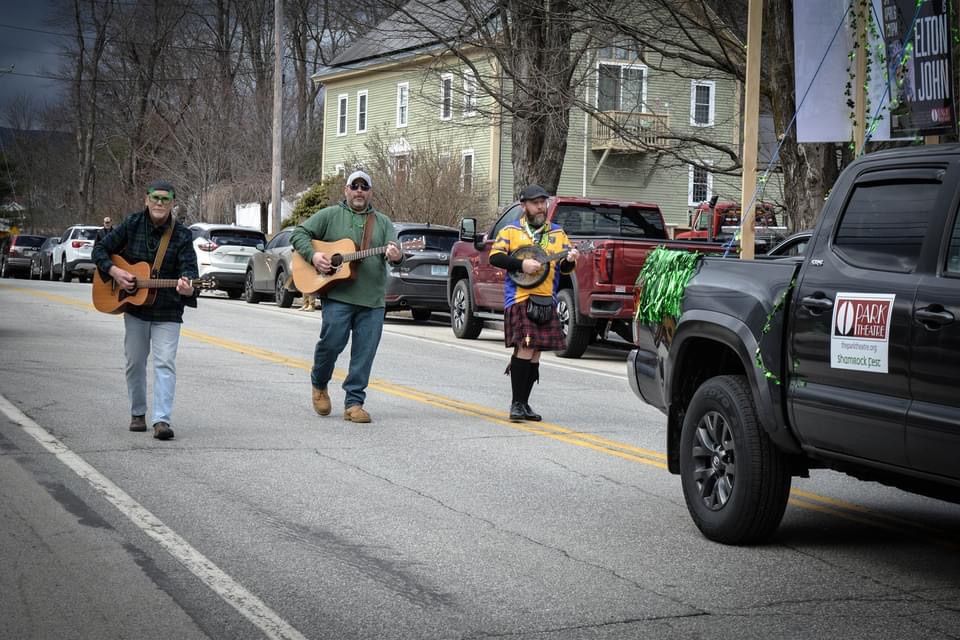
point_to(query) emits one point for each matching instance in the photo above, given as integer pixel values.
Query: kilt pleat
(521, 331)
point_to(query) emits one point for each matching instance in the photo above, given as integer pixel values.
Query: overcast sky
(28, 44)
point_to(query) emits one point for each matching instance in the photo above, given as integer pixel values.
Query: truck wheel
(577, 337)
(465, 325)
(735, 481)
(284, 297)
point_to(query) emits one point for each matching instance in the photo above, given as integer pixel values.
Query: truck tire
(465, 325)
(735, 481)
(577, 337)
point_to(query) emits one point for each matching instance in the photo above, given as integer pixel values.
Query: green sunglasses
(160, 199)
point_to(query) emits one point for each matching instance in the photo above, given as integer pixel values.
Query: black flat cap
(160, 185)
(533, 192)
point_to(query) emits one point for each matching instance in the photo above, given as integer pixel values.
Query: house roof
(408, 31)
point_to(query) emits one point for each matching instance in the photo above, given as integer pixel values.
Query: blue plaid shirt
(137, 239)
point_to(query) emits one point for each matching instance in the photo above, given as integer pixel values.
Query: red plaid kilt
(543, 337)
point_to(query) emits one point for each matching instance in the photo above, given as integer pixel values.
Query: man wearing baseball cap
(154, 327)
(353, 307)
(530, 322)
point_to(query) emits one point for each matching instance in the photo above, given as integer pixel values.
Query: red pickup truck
(597, 298)
(719, 221)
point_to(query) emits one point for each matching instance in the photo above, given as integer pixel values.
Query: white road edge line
(234, 594)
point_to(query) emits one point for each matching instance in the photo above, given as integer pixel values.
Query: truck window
(884, 224)
(953, 253)
(510, 215)
(600, 220)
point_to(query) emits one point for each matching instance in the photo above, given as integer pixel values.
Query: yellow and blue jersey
(513, 237)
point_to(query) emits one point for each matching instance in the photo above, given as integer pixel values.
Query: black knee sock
(533, 375)
(519, 373)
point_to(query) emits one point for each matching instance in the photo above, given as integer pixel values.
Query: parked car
(794, 245)
(71, 256)
(17, 253)
(419, 283)
(41, 264)
(268, 270)
(223, 251)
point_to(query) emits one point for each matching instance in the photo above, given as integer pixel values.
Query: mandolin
(110, 297)
(531, 280)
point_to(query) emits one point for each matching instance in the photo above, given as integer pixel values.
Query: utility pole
(275, 194)
(751, 129)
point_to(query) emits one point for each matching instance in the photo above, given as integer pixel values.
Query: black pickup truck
(844, 358)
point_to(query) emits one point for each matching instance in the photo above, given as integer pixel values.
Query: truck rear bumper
(612, 306)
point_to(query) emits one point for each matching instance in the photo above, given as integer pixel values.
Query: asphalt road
(441, 519)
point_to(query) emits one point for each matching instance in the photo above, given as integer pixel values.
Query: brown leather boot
(138, 423)
(321, 401)
(356, 413)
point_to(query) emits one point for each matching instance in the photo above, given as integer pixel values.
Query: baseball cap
(533, 192)
(360, 175)
(160, 185)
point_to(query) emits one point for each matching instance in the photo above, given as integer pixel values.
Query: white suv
(223, 251)
(72, 256)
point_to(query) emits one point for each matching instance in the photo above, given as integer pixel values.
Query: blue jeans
(340, 320)
(140, 338)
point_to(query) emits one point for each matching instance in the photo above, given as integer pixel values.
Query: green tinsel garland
(664, 278)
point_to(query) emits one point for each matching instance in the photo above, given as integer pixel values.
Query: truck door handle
(817, 305)
(933, 317)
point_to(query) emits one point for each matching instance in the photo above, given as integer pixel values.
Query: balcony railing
(629, 131)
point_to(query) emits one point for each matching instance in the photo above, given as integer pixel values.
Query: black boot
(532, 376)
(519, 374)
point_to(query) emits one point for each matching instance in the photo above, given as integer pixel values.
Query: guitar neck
(365, 253)
(161, 283)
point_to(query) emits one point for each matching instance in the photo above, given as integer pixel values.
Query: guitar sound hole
(336, 260)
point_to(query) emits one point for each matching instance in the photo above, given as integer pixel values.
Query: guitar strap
(368, 226)
(162, 249)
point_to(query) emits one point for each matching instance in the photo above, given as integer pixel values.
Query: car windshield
(237, 238)
(433, 240)
(86, 234)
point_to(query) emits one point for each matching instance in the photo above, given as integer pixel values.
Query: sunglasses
(160, 199)
(360, 186)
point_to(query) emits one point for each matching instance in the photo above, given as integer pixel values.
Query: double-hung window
(469, 94)
(342, 114)
(362, 111)
(403, 103)
(446, 97)
(700, 185)
(621, 87)
(702, 103)
(467, 171)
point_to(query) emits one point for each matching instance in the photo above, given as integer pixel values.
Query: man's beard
(537, 221)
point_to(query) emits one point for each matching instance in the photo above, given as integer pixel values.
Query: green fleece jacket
(338, 222)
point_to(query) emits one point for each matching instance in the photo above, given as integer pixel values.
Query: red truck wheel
(465, 325)
(735, 480)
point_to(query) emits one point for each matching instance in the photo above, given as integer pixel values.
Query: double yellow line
(798, 498)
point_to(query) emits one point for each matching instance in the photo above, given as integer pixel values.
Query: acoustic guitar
(531, 280)
(110, 297)
(342, 252)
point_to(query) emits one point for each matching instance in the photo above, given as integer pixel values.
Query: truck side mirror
(468, 229)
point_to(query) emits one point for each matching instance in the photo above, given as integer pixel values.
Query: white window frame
(690, 201)
(643, 88)
(712, 85)
(403, 104)
(343, 109)
(469, 94)
(446, 99)
(468, 153)
(362, 111)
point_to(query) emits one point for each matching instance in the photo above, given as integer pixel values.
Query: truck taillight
(603, 264)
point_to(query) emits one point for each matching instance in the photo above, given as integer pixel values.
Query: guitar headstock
(206, 282)
(414, 244)
(586, 246)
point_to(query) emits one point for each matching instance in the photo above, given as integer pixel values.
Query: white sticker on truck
(860, 334)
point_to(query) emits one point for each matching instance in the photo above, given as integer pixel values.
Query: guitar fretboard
(360, 255)
(160, 283)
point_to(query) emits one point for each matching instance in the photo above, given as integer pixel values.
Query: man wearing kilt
(526, 337)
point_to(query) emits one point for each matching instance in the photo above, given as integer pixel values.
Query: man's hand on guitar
(531, 266)
(321, 262)
(393, 252)
(572, 255)
(184, 287)
(125, 279)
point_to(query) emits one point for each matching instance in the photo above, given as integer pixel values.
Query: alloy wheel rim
(714, 460)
